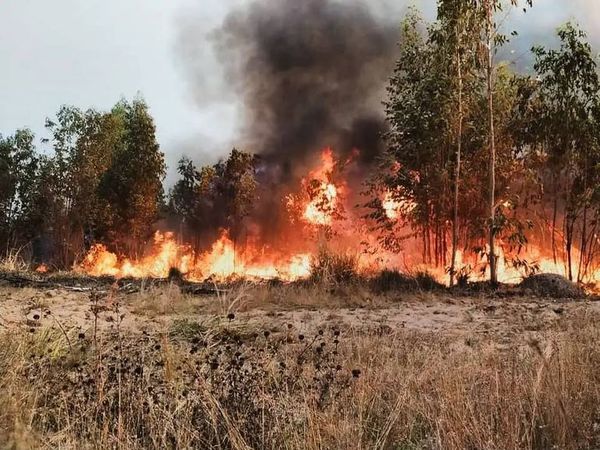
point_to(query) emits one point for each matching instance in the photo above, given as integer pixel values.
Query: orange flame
(319, 203)
(220, 262)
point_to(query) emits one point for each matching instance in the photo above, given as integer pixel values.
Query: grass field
(296, 367)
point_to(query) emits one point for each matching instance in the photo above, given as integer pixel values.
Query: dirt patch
(157, 309)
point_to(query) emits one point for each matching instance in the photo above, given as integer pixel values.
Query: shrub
(427, 282)
(392, 280)
(333, 268)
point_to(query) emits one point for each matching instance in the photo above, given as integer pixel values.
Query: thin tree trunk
(583, 247)
(569, 246)
(591, 248)
(492, 156)
(554, 219)
(457, 168)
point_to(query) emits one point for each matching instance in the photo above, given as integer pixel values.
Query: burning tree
(562, 136)
(215, 197)
(438, 144)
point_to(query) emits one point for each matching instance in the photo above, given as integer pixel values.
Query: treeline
(478, 154)
(97, 178)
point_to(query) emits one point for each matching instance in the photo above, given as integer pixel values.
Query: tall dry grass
(13, 261)
(226, 386)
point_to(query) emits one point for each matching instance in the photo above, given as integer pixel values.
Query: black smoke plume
(311, 73)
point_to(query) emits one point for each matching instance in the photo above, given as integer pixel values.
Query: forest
(478, 158)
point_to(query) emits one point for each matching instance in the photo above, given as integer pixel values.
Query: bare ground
(275, 308)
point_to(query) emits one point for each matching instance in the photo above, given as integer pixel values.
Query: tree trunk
(583, 246)
(554, 219)
(457, 167)
(569, 246)
(492, 143)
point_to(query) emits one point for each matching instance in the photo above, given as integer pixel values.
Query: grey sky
(89, 53)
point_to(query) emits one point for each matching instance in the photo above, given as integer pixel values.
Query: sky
(90, 53)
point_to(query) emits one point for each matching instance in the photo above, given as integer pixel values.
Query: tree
(442, 85)
(415, 167)
(18, 169)
(216, 197)
(458, 32)
(565, 118)
(131, 187)
(492, 38)
(84, 145)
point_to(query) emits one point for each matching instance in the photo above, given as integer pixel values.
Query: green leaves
(218, 196)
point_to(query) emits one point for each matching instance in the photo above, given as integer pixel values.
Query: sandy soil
(504, 319)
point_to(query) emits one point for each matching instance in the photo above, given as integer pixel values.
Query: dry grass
(13, 261)
(333, 268)
(220, 384)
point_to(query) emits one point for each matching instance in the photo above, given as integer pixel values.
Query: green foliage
(437, 97)
(562, 111)
(215, 197)
(18, 171)
(102, 181)
(131, 187)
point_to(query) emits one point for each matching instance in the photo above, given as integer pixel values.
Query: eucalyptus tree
(84, 143)
(416, 165)
(131, 186)
(492, 38)
(18, 169)
(566, 119)
(458, 36)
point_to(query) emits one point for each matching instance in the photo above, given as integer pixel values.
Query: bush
(392, 280)
(333, 268)
(427, 282)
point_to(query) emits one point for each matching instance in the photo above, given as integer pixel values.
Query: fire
(319, 210)
(42, 268)
(319, 202)
(221, 262)
(395, 208)
(390, 206)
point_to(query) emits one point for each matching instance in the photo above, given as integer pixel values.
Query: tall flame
(320, 201)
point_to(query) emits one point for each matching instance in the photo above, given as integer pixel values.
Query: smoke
(305, 74)
(310, 74)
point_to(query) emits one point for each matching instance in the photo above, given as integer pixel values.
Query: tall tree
(458, 33)
(492, 39)
(565, 118)
(84, 144)
(131, 187)
(18, 170)
(415, 167)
